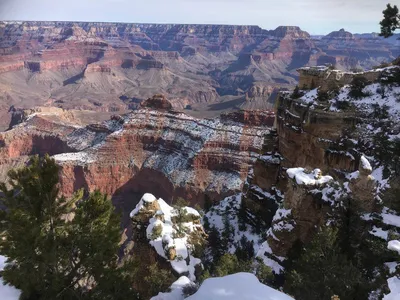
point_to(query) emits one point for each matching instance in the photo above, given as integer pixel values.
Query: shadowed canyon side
(110, 67)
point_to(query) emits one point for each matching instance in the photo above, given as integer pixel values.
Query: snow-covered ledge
(303, 178)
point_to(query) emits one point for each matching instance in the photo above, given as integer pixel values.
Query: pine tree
(296, 93)
(230, 264)
(390, 22)
(208, 203)
(357, 86)
(58, 248)
(366, 252)
(228, 232)
(158, 279)
(215, 243)
(323, 271)
(245, 249)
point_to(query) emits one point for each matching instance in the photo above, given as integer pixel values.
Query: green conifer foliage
(323, 271)
(390, 22)
(59, 248)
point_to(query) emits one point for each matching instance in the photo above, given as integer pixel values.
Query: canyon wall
(162, 150)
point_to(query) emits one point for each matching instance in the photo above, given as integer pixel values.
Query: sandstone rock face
(170, 153)
(304, 209)
(307, 134)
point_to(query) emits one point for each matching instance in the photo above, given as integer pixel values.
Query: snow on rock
(173, 242)
(394, 245)
(281, 213)
(239, 286)
(282, 221)
(394, 286)
(229, 208)
(313, 178)
(382, 183)
(391, 219)
(310, 97)
(176, 290)
(373, 97)
(79, 157)
(391, 266)
(191, 211)
(7, 292)
(265, 253)
(365, 164)
(147, 198)
(379, 232)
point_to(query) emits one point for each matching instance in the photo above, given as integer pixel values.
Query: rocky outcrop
(363, 186)
(290, 32)
(326, 79)
(251, 117)
(313, 133)
(175, 233)
(339, 35)
(329, 136)
(157, 102)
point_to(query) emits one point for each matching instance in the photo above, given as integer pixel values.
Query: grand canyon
(111, 67)
(269, 137)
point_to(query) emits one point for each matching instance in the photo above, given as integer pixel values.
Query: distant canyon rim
(204, 70)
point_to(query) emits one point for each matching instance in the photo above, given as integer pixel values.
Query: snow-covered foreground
(7, 292)
(239, 286)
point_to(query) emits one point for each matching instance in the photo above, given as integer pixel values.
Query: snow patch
(394, 286)
(313, 178)
(238, 286)
(229, 208)
(79, 157)
(391, 219)
(394, 246)
(176, 290)
(365, 163)
(265, 253)
(379, 232)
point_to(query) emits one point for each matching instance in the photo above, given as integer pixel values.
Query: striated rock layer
(169, 153)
